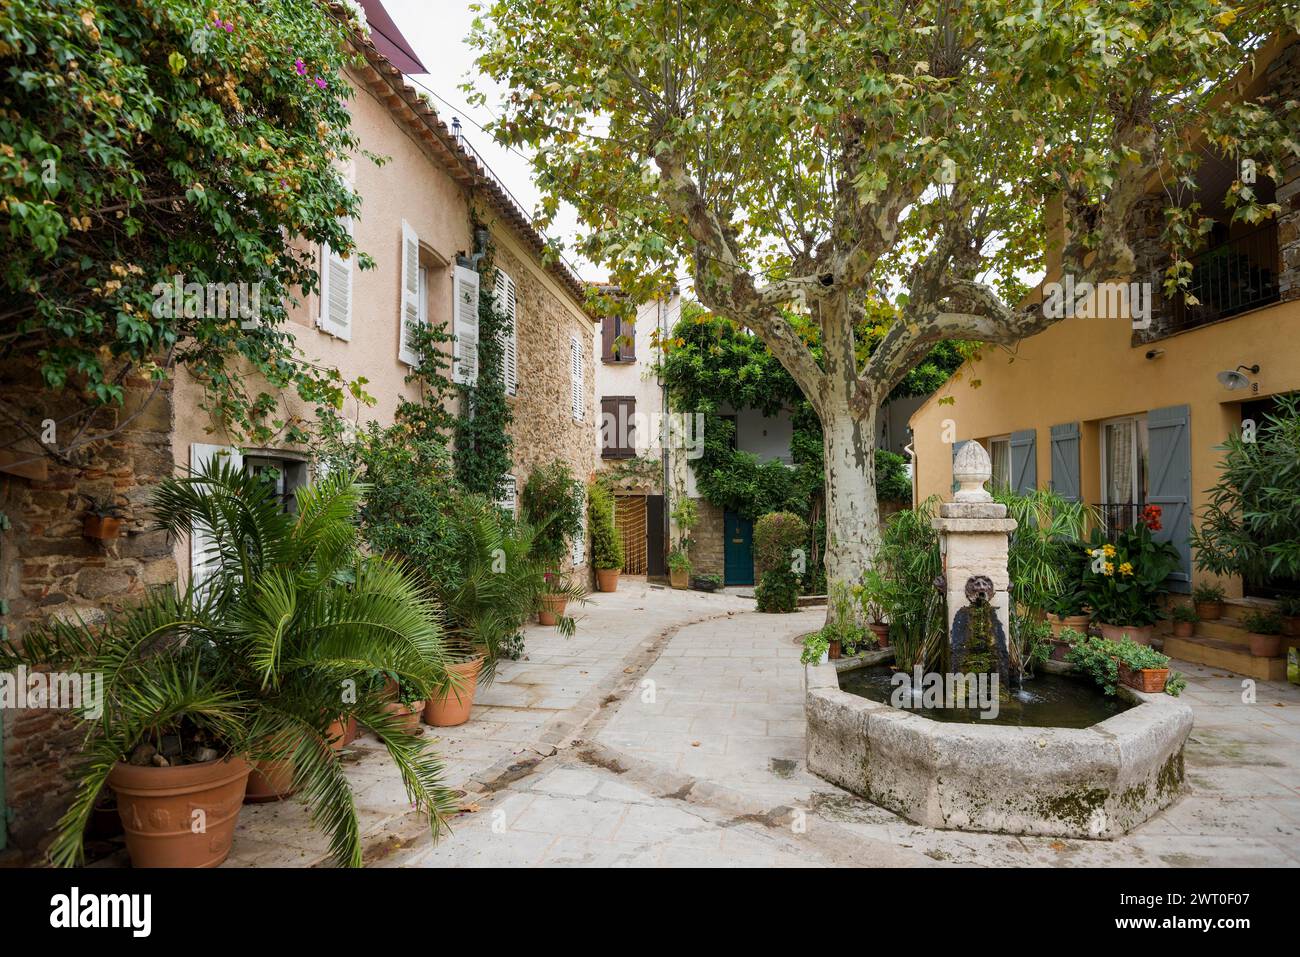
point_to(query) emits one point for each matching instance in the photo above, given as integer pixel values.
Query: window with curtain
(1000, 454)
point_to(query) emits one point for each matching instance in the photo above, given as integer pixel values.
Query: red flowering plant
(1124, 576)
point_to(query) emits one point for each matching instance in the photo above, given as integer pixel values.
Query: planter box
(102, 528)
(1148, 680)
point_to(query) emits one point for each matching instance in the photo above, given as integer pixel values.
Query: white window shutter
(509, 494)
(466, 320)
(577, 379)
(580, 540)
(507, 303)
(336, 291)
(410, 313)
(203, 557)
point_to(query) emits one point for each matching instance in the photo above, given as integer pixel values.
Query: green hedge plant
(606, 543)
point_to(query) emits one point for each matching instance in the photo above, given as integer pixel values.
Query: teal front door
(737, 550)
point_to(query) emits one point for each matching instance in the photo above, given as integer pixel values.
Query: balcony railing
(1118, 517)
(1228, 279)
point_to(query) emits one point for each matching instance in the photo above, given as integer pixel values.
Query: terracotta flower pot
(552, 609)
(341, 735)
(1291, 626)
(1209, 610)
(1184, 629)
(607, 579)
(159, 806)
(1060, 648)
(1059, 623)
(679, 577)
(1265, 646)
(833, 651)
(270, 781)
(1140, 634)
(102, 527)
(453, 707)
(881, 631)
(408, 713)
(1149, 680)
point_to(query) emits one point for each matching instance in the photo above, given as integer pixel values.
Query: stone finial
(970, 470)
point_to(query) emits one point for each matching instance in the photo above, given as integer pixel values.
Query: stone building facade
(431, 191)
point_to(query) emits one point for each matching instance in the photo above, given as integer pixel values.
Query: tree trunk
(852, 515)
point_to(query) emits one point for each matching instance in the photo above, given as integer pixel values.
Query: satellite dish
(1232, 380)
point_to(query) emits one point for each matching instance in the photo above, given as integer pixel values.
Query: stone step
(1224, 629)
(1216, 653)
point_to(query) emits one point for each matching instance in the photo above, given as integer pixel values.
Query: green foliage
(908, 563)
(1251, 526)
(483, 444)
(1185, 613)
(493, 581)
(1124, 580)
(254, 661)
(1175, 684)
(892, 482)
(842, 622)
(606, 543)
(777, 591)
(678, 561)
(140, 143)
(1100, 658)
(1262, 622)
(776, 536)
(815, 647)
(1207, 594)
(551, 502)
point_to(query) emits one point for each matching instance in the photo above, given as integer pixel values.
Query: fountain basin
(1095, 782)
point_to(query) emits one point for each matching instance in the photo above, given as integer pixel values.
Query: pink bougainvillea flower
(230, 27)
(300, 67)
(320, 83)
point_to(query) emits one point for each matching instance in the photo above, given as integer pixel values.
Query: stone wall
(50, 571)
(543, 427)
(707, 540)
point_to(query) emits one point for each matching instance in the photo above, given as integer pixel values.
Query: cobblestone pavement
(669, 732)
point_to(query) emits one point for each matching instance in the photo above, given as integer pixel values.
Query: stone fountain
(1097, 781)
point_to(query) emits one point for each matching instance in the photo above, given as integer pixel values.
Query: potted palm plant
(247, 666)
(1264, 629)
(551, 504)
(1208, 601)
(606, 544)
(487, 591)
(872, 595)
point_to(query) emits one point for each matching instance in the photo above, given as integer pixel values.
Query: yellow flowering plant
(1123, 579)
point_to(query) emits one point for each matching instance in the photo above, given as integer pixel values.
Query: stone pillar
(973, 537)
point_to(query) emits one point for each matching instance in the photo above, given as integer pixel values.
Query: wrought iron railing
(1228, 279)
(1118, 517)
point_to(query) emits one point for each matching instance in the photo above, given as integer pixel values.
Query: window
(577, 380)
(286, 475)
(509, 494)
(506, 304)
(1000, 454)
(1123, 471)
(335, 291)
(617, 340)
(617, 426)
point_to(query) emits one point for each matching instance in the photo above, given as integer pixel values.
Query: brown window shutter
(627, 346)
(625, 419)
(608, 440)
(608, 333)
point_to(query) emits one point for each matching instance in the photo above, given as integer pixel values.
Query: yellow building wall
(1087, 371)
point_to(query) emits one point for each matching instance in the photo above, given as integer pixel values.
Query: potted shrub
(679, 569)
(551, 504)
(1124, 580)
(406, 704)
(486, 595)
(103, 521)
(1208, 602)
(1289, 609)
(201, 684)
(1064, 641)
(1265, 633)
(706, 583)
(816, 647)
(1184, 619)
(606, 544)
(872, 597)
(1141, 668)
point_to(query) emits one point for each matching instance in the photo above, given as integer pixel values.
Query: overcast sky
(436, 30)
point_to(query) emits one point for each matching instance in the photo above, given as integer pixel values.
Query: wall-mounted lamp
(1232, 379)
(1155, 353)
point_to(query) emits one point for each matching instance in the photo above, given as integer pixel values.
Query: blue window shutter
(1169, 442)
(1065, 461)
(956, 447)
(1024, 461)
